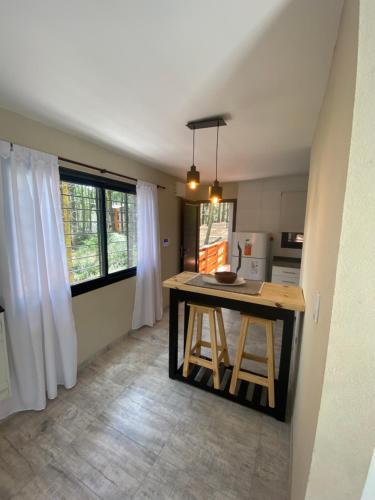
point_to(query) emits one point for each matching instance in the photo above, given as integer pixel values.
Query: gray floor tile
(128, 431)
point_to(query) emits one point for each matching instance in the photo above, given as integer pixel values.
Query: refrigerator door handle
(239, 257)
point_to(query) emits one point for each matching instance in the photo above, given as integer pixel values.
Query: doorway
(206, 235)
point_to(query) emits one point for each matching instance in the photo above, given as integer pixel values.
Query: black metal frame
(102, 183)
(101, 170)
(268, 312)
(212, 121)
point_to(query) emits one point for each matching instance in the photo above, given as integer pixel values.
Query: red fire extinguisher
(247, 248)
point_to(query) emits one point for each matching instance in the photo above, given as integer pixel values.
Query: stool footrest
(254, 357)
(204, 343)
(250, 377)
(201, 361)
(194, 356)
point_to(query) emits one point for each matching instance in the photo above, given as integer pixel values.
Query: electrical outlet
(316, 308)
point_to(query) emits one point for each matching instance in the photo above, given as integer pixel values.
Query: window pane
(216, 223)
(121, 230)
(80, 205)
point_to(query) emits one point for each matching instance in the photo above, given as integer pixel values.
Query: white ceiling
(129, 74)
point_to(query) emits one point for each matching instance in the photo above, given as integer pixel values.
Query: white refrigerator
(250, 252)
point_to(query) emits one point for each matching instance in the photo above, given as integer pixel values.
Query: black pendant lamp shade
(215, 191)
(193, 177)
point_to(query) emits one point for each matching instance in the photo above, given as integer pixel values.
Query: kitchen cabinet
(285, 275)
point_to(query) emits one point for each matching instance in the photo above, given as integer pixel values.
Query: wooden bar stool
(267, 381)
(218, 352)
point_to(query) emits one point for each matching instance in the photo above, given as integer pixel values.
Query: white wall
(326, 191)
(259, 207)
(104, 314)
(345, 435)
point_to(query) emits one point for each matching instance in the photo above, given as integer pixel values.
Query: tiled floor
(127, 431)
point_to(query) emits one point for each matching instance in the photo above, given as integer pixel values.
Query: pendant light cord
(217, 146)
(193, 143)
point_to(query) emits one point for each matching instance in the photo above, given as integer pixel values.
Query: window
(121, 233)
(215, 231)
(99, 218)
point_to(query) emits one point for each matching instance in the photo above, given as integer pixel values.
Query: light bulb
(192, 185)
(215, 200)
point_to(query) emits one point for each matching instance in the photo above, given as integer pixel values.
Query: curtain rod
(102, 170)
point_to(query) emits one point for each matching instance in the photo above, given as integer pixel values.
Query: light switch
(316, 308)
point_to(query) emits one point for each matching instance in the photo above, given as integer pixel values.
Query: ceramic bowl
(225, 277)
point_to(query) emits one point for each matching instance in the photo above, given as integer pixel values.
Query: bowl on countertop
(225, 277)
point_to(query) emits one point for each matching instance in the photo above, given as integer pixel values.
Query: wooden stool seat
(238, 374)
(218, 352)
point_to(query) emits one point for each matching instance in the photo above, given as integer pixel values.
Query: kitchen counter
(287, 262)
(286, 271)
(274, 295)
(276, 302)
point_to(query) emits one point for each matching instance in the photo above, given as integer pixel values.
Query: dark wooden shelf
(248, 394)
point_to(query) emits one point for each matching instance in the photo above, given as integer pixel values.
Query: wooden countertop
(282, 296)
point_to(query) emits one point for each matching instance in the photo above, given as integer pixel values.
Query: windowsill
(88, 286)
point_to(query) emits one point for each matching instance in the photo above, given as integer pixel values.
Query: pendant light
(215, 192)
(193, 177)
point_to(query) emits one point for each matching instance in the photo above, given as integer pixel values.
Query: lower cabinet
(285, 275)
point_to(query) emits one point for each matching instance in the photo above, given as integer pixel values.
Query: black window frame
(103, 183)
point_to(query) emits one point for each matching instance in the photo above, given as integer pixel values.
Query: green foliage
(83, 237)
(210, 213)
(214, 222)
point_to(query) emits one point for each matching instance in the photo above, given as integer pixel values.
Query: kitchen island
(274, 302)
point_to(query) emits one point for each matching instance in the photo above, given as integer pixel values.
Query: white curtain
(34, 284)
(148, 306)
